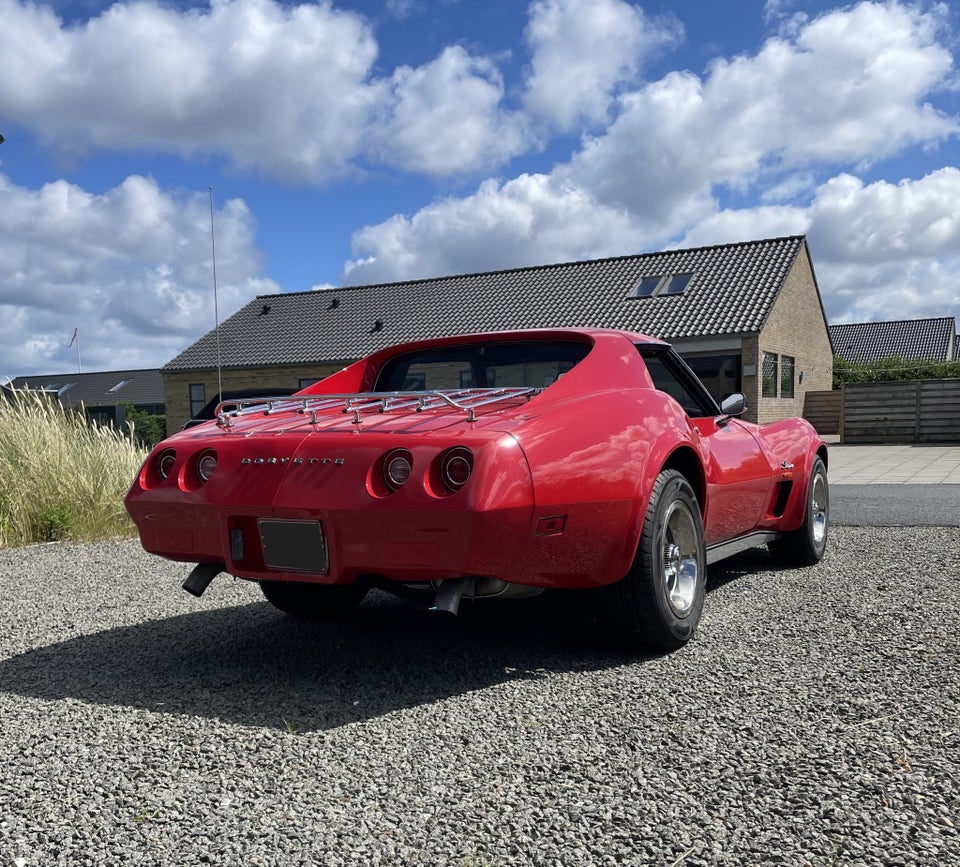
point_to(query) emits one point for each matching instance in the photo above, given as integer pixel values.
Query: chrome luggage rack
(463, 399)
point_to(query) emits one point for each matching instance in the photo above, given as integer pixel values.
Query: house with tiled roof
(747, 317)
(910, 339)
(103, 395)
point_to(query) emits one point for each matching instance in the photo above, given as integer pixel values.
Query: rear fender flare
(680, 455)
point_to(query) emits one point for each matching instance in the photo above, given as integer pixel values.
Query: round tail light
(206, 466)
(397, 468)
(165, 462)
(456, 467)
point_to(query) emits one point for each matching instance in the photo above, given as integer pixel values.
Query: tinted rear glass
(534, 364)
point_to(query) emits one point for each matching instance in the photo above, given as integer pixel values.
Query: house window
(305, 383)
(198, 398)
(670, 284)
(768, 387)
(786, 376)
(719, 373)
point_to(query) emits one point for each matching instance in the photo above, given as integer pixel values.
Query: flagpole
(76, 339)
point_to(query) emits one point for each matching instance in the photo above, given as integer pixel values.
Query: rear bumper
(397, 546)
(518, 545)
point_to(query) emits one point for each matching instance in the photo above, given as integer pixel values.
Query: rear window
(534, 364)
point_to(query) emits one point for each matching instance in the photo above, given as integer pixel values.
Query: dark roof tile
(103, 388)
(732, 292)
(907, 338)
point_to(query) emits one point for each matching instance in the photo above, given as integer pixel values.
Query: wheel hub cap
(681, 558)
(818, 508)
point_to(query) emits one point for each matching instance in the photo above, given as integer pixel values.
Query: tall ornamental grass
(61, 476)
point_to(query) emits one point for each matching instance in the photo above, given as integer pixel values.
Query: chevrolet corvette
(489, 465)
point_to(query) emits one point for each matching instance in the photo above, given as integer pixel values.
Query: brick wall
(796, 328)
(176, 386)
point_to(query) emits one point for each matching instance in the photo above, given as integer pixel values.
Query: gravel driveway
(815, 720)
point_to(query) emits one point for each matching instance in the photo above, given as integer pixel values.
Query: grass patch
(61, 476)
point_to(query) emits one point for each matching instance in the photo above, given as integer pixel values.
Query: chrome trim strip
(722, 550)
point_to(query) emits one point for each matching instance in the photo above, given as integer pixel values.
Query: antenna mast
(216, 309)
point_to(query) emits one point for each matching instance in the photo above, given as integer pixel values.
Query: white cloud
(864, 223)
(911, 288)
(445, 117)
(730, 226)
(401, 9)
(789, 188)
(888, 248)
(286, 90)
(531, 219)
(582, 50)
(851, 88)
(130, 268)
(879, 249)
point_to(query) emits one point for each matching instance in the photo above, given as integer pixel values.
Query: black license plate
(298, 546)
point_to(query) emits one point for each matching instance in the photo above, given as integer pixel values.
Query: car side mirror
(734, 404)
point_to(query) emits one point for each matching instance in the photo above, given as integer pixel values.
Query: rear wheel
(659, 602)
(807, 544)
(313, 600)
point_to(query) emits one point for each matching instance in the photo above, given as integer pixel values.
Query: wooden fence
(915, 411)
(823, 410)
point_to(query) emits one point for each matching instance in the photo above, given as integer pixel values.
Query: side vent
(783, 494)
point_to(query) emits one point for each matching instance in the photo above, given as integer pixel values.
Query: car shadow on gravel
(253, 666)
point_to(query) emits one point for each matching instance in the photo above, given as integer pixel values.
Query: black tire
(807, 544)
(659, 602)
(314, 600)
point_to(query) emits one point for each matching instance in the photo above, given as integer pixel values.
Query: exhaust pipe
(449, 593)
(201, 576)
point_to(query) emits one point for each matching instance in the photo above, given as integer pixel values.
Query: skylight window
(676, 284)
(119, 385)
(646, 287)
(662, 284)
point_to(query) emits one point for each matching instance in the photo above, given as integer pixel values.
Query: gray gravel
(814, 721)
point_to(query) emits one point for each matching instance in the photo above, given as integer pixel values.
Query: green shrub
(146, 428)
(61, 477)
(891, 369)
(53, 524)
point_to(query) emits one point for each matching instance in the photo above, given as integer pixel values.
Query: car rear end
(319, 491)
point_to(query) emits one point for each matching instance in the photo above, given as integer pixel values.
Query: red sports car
(489, 465)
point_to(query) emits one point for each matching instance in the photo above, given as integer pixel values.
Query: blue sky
(376, 140)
